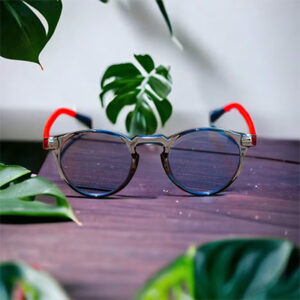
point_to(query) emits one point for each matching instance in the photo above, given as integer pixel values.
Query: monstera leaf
(125, 85)
(18, 192)
(230, 269)
(26, 27)
(20, 281)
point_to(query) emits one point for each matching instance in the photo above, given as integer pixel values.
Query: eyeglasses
(201, 161)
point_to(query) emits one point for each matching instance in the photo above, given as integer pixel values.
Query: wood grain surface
(129, 236)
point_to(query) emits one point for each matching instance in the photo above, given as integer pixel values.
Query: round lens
(95, 163)
(204, 161)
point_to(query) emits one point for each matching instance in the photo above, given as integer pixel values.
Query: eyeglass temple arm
(63, 111)
(217, 113)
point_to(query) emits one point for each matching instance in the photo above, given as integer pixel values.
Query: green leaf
(115, 106)
(23, 35)
(34, 284)
(160, 85)
(145, 61)
(163, 107)
(18, 198)
(11, 173)
(120, 86)
(128, 70)
(123, 85)
(128, 121)
(138, 123)
(177, 277)
(141, 121)
(230, 269)
(148, 118)
(163, 11)
(165, 72)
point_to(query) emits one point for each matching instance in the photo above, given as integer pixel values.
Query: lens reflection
(204, 161)
(96, 163)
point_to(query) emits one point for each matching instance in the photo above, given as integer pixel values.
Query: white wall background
(235, 50)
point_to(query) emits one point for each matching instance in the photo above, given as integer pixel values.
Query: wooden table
(128, 237)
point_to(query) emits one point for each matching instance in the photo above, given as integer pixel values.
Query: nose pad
(60, 172)
(165, 163)
(134, 163)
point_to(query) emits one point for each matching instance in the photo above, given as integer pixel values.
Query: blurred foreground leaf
(18, 192)
(20, 281)
(23, 35)
(125, 85)
(163, 11)
(230, 269)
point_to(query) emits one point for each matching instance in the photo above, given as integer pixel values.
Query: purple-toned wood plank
(286, 150)
(132, 234)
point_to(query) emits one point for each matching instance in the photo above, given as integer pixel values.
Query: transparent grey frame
(56, 144)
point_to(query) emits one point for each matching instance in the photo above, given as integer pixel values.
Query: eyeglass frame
(56, 143)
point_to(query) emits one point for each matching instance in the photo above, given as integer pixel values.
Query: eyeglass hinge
(50, 143)
(247, 140)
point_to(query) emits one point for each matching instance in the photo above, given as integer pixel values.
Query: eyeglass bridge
(149, 139)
